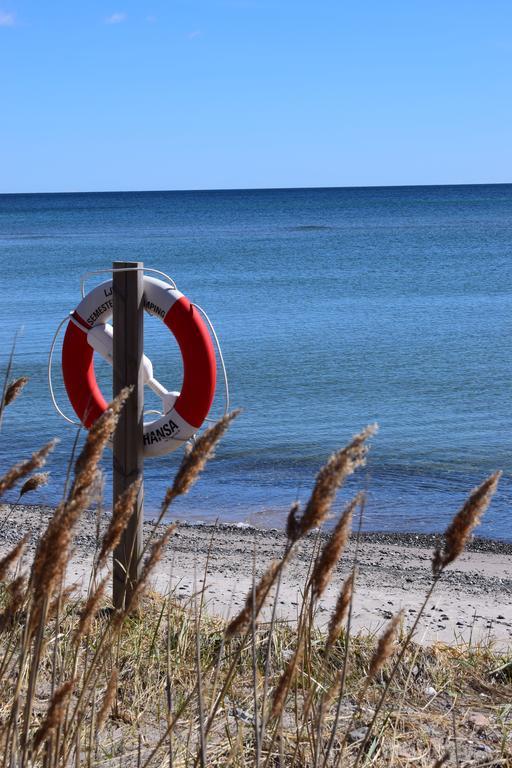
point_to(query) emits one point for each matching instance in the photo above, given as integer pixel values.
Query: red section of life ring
(78, 372)
(198, 356)
(199, 366)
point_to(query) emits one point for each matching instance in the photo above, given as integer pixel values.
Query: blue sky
(190, 94)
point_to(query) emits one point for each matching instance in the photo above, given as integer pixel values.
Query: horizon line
(259, 189)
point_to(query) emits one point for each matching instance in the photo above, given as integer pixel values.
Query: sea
(335, 308)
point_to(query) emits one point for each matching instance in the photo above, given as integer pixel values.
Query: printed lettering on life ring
(191, 405)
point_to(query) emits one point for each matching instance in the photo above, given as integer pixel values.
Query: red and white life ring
(189, 408)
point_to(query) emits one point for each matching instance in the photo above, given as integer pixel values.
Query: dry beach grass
(163, 682)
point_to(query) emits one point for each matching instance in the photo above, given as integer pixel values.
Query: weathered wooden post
(128, 465)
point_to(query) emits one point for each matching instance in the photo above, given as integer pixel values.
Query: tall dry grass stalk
(7, 375)
(456, 537)
(34, 482)
(108, 700)
(14, 389)
(90, 609)
(333, 549)
(194, 461)
(382, 652)
(156, 552)
(254, 601)
(192, 464)
(55, 714)
(121, 514)
(8, 560)
(328, 481)
(16, 595)
(330, 478)
(180, 693)
(61, 600)
(385, 646)
(340, 611)
(97, 439)
(460, 529)
(30, 485)
(292, 522)
(24, 468)
(286, 680)
(53, 549)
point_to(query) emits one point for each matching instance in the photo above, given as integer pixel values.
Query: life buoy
(87, 330)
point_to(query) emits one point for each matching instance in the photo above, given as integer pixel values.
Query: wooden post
(128, 465)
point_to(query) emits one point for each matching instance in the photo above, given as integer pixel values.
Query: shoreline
(472, 603)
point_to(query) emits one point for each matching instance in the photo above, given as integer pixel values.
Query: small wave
(310, 228)
(22, 236)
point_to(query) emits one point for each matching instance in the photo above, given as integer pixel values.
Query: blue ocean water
(335, 308)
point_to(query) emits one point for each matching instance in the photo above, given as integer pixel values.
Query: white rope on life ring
(88, 330)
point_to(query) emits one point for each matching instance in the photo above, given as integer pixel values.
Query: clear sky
(204, 94)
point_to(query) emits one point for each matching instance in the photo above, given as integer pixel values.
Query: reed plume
(286, 679)
(50, 560)
(195, 460)
(52, 552)
(55, 714)
(62, 596)
(254, 601)
(155, 555)
(333, 549)
(340, 610)
(6, 377)
(458, 532)
(108, 699)
(24, 468)
(95, 443)
(330, 478)
(292, 522)
(11, 557)
(34, 482)
(14, 389)
(90, 609)
(385, 646)
(15, 598)
(123, 510)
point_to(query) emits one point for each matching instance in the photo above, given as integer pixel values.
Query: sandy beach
(473, 602)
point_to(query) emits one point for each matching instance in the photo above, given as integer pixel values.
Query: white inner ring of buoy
(101, 339)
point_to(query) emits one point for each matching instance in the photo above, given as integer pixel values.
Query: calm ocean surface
(335, 308)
